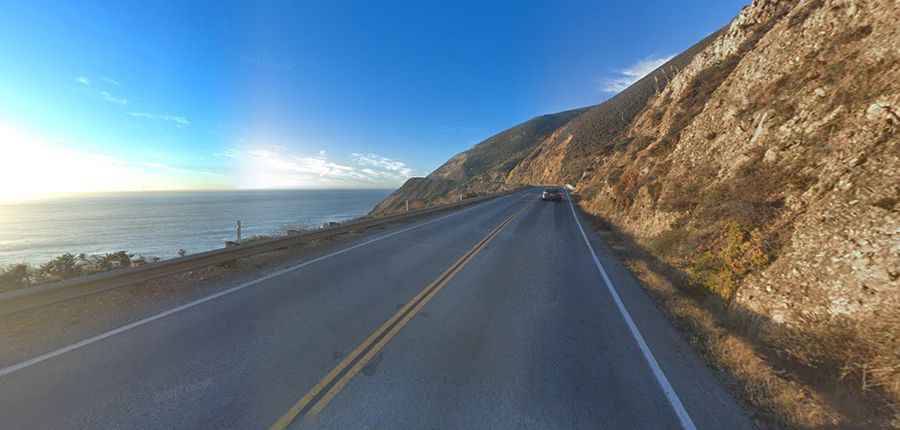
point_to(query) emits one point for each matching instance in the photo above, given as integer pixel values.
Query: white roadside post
(407, 205)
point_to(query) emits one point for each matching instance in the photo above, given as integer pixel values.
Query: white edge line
(671, 395)
(44, 357)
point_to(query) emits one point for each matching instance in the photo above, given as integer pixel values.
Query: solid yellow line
(421, 298)
(292, 413)
(323, 402)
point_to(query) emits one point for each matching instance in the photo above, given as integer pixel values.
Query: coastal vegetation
(67, 266)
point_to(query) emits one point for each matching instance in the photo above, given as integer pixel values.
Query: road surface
(500, 315)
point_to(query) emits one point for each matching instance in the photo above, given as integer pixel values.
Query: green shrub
(15, 276)
(669, 243)
(63, 267)
(720, 270)
(114, 260)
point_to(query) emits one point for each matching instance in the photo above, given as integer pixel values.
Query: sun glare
(34, 168)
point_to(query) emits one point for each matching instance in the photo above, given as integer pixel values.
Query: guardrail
(43, 295)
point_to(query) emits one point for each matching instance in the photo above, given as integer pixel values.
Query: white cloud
(179, 121)
(106, 95)
(273, 166)
(111, 81)
(626, 77)
(397, 169)
(113, 99)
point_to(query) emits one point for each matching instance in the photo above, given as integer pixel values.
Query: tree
(15, 276)
(63, 267)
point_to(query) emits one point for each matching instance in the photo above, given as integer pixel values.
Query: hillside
(519, 155)
(481, 169)
(760, 169)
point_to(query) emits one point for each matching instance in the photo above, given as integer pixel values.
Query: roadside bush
(739, 252)
(63, 267)
(15, 276)
(67, 266)
(669, 243)
(114, 260)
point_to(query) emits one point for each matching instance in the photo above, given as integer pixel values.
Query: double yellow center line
(322, 393)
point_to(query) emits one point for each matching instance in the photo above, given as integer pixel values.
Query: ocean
(158, 224)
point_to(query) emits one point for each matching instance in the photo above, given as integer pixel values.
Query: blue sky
(181, 95)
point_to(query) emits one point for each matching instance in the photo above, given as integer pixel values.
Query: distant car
(551, 194)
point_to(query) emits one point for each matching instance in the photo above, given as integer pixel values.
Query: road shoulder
(695, 382)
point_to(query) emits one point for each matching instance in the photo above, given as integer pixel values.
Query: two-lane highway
(495, 316)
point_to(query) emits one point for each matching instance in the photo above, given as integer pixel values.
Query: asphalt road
(495, 316)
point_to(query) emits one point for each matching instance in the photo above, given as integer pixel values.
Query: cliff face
(775, 136)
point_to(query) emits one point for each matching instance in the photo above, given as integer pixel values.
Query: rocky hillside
(763, 164)
(782, 124)
(783, 129)
(768, 172)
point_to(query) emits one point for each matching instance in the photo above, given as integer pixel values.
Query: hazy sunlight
(34, 168)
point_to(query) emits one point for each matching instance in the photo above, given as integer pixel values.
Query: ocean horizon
(159, 223)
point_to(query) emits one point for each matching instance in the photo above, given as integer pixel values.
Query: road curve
(496, 316)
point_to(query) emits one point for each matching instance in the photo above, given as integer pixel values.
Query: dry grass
(830, 374)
